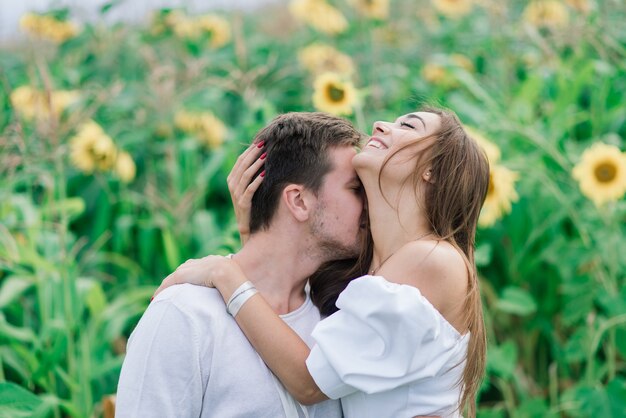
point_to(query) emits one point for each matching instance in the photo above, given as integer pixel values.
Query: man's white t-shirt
(187, 357)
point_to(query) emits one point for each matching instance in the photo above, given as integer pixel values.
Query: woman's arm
(242, 186)
(279, 346)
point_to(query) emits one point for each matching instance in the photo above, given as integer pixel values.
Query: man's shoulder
(193, 300)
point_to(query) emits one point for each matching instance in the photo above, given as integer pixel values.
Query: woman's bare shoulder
(436, 268)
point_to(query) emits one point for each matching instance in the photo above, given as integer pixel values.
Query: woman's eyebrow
(414, 116)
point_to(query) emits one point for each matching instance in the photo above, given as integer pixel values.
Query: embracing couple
(356, 282)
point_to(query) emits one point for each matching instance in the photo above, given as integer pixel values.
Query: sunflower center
(491, 188)
(336, 93)
(605, 172)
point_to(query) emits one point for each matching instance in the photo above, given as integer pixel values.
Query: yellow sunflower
(601, 173)
(376, 9)
(491, 150)
(125, 167)
(333, 94)
(48, 27)
(203, 125)
(437, 74)
(434, 73)
(500, 195)
(453, 8)
(462, 61)
(185, 27)
(34, 104)
(547, 14)
(320, 15)
(218, 29)
(582, 6)
(92, 149)
(321, 58)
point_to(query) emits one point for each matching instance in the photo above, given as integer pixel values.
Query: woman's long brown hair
(460, 173)
(453, 199)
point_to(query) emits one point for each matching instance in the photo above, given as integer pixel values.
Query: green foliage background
(80, 255)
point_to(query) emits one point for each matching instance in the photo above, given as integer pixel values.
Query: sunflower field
(116, 139)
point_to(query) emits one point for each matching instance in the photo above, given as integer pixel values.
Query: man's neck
(278, 267)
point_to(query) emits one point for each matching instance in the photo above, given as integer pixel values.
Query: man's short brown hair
(297, 147)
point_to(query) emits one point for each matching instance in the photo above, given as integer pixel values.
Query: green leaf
(106, 7)
(502, 359)
(12, 288)
(95, 299)
(172, 256)
(534, 408)
(616, 390)
(15, 401)
(15, 333)
(588, 401)
(11, 360)
(491, 413)
(482, 256)
(578, 345)
(620, 337)
(516, 301)
(73, 207)
(8, 245)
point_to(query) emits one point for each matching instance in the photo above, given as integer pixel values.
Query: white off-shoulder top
(388, 353)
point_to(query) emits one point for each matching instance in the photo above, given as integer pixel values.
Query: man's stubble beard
(331, 248)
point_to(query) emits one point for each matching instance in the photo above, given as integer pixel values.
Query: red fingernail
(152, 298)
(263, 173)
(260, 144)
(263, 155)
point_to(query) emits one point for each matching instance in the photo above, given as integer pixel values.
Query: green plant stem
(595, 342)
(553, 384)
(508, 395)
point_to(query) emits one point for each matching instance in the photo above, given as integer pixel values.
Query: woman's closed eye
(408, 125)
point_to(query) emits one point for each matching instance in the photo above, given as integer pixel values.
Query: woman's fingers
(246, 196)
(242, 184)
(178, 276)
(167, 282)
(245, 160)
(242, 189)
(198, 272)
(239, 182)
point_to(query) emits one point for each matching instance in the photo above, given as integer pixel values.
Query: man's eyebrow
(414, 116)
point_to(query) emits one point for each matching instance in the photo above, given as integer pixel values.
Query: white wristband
(239, 297)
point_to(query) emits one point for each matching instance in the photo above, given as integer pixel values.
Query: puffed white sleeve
(385, 335)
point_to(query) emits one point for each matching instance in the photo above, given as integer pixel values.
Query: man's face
(337, 216)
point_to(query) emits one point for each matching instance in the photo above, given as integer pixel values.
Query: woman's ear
(427, 176)
(298, 201)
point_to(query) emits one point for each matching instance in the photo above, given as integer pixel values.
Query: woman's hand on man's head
(242, 184)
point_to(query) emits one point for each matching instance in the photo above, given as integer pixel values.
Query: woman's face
(403, 140)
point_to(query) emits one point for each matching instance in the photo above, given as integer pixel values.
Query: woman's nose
(380, 127)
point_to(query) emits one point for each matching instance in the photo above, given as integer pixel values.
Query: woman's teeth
(375, 143)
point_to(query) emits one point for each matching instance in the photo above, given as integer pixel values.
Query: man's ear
(299, 201)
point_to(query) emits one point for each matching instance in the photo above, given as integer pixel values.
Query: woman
(408, 338)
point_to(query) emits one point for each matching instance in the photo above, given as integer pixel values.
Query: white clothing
(187, 357)
(388, 353)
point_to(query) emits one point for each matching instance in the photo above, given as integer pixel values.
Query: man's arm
(161, 374)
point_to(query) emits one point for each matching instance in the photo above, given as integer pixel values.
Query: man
(187, 357)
